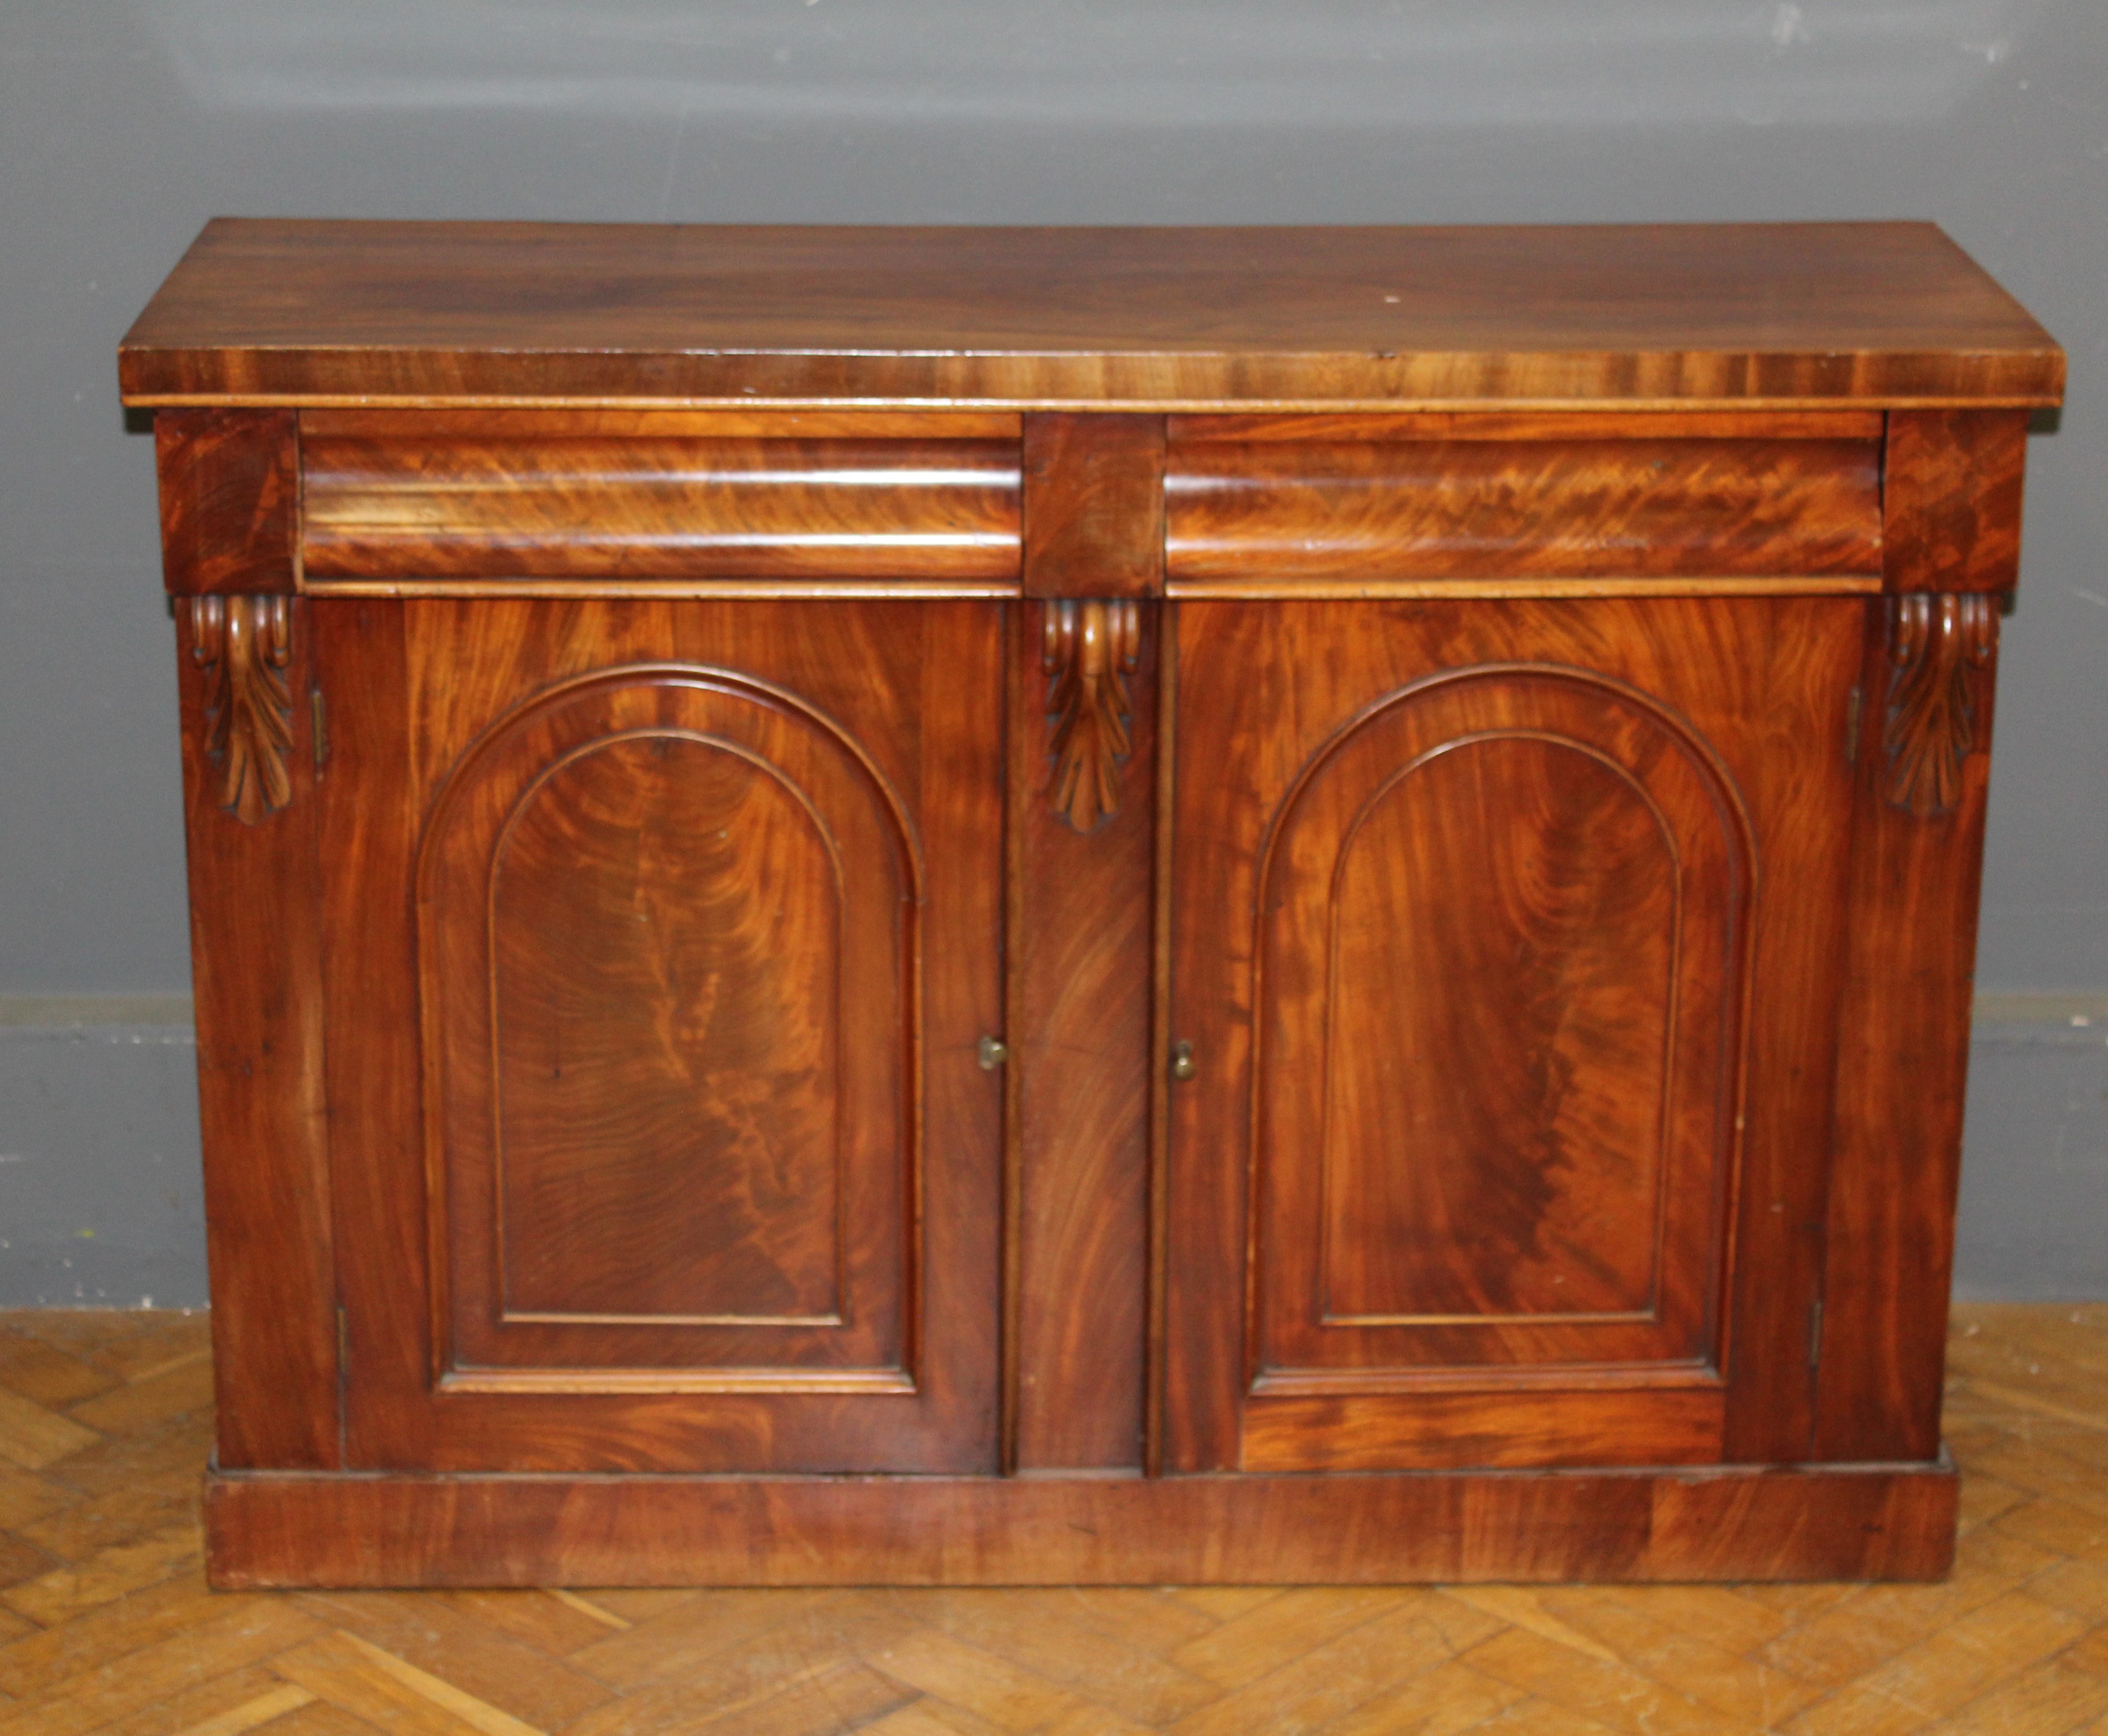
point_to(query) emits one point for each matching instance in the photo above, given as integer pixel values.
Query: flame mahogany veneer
(967, 906)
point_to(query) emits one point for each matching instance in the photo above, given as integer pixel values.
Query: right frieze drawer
(1351, 503)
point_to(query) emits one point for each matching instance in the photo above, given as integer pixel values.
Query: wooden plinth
(1890, 1522)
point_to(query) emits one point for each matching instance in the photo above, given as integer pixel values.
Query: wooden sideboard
(1034, 906)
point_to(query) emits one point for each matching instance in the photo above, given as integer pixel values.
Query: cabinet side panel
(256, 965)
(1079, 1040)
(1903, 1037)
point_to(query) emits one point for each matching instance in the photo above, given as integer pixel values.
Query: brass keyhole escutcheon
(1182, 1062)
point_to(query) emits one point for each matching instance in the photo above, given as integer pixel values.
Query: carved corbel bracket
(1090, 650)
(244, 643)
(1940, 645)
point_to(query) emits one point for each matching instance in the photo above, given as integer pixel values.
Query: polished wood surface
(1908, 974)
(1936, 708)
(982, 904)
(1432, 1099)
(1870, 1522)
(1094, 506)
(1577, 508)
(694, 1092)
(1504, 931)
(670, 937)
(1383, 428)
(569, 506)
(1726, 314)
(1951, 496)
(1089, 653)
(1537, 1428)
(230, 491)
(257, 946)
(243, 647)
(1080, 954)
(486, 421)
(700, 1048)
(1262, 587)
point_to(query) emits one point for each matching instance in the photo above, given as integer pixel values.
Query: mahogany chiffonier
(960, 906)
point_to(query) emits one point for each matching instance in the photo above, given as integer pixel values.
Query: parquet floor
(106, 1625)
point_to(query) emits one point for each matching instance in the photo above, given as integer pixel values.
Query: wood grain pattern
(670, 937)
(1576, 508)
(1937, 710)
(257, 947)
(1089, 652)
(491, 422)
(715, 1036)
(1872, 1522)
(230, 491)
(367, 833)
(1094, 506)
(1079, 964)
(1903, 1030)
(1951, 496)
(1504, 941)
(1655, 1423)
(1335, 428)
(242, 647)
(1726, 314)
(1716, 669)
(1171, 1055)
(576, 506)
(1368, 589)
(916, 687)
(1799, 781)
(751, 1057)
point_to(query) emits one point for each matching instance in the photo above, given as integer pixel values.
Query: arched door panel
(663, 934)
(1471, 939)
(1504, 922)
(669, 929)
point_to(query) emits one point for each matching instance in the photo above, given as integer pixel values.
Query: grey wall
(101, 1196)
(124, 125)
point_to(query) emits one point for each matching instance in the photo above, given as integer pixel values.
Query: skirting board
(1894, 1522)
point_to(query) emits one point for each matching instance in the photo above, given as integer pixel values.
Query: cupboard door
(1492, 934)
(694, 913)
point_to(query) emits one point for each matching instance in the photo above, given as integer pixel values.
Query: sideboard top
(271, 312)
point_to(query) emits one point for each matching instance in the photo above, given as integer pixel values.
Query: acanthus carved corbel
(244, 645)
(1940, 646)
(1090, 650)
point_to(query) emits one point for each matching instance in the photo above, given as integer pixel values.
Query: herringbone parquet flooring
(106, 1625)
